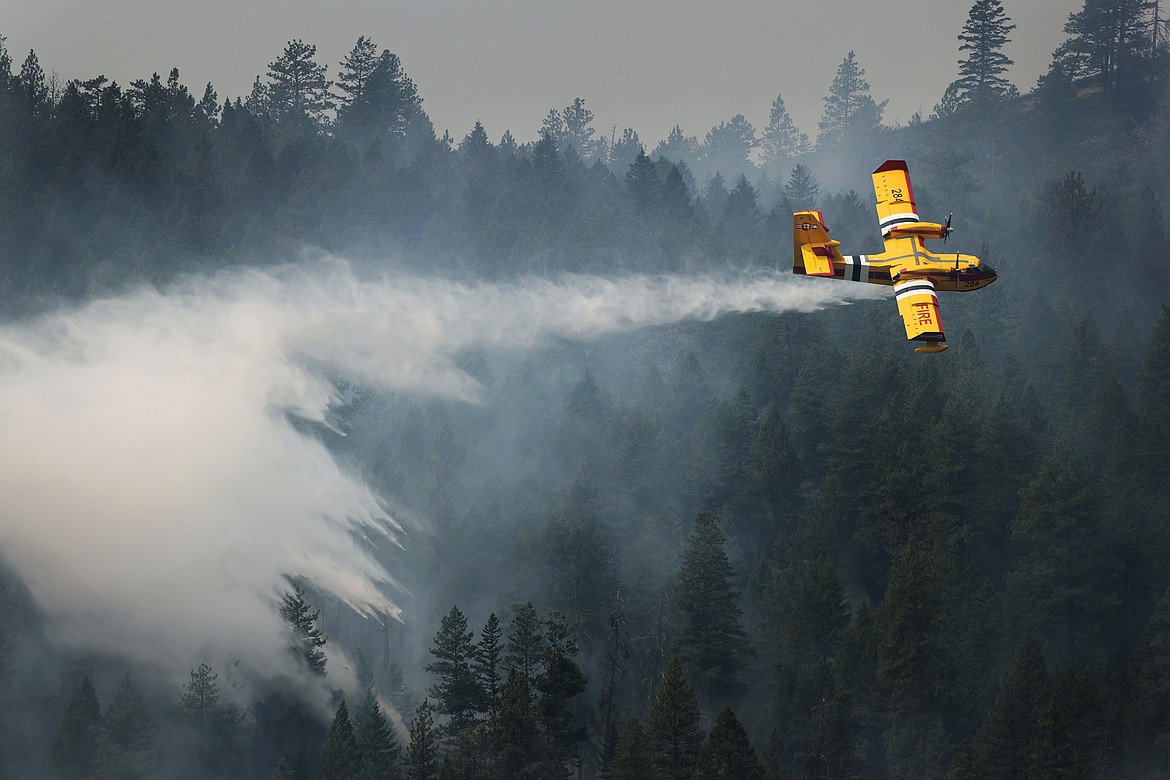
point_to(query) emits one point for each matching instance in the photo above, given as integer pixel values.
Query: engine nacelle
(924, 229)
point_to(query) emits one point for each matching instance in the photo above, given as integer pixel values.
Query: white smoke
(153, 492)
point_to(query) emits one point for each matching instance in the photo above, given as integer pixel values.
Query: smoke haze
(155, 487)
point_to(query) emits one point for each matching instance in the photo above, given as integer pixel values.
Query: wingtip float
(915, 273)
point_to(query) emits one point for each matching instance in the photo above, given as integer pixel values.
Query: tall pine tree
(1110, 42)
(981, 82)
(298, 92)
(850, 111)
(340, 758)
(727, 752)
(422, 754)
(457, 693)
(377, 748)
(711, 642)
(672, 726)
(781, 140)
(76, 742)
(307, 639)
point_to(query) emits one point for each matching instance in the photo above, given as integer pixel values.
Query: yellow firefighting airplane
(914, 272)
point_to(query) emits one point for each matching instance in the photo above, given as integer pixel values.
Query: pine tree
(678, 147)
(127, 733)
(728, 146)
(1066, 580)
(981, 80)
(782, 140)
(802, 189)
(559, 685)
(213, 724)
(476, 144)
(815, 614)
(31, 82)
(354, 79)
(524, 648)
(378, 99)
(282, 771)
(611, 732)
(1006, 737)
(632, 759)
(298, 91)
(1071, 732)
(340, 757)
(912, 656)
(642, 184)
(832, 746)
(307, 639)
(965, 764)
(367, 685)
(1069, 217)
(515, 747)
(1151, 708)
(547, 183)
(857, 669)
(850, 112)
(775, 471)
(1109, 40)
(711, 641)
(1153, 403)
(208, 107)
(457, 693)
(617, 652)
(422, 755)
(377, 748)
(577, 122)
(466, 759)
(776, 762)
(741, 213)
(7, 79)
(489, 655)
(672, 726)
(715, 195)
(5, 645)
(624, 149)
(949, 104)
(76, 742)
(727, 752)
(571, 128)
(1057, 102)
(674, 198)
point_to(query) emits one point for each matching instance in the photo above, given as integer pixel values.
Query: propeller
(947, 230)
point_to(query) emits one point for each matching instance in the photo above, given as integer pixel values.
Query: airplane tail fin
(812, 249)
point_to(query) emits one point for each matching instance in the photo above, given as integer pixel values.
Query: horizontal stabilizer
(816, 263)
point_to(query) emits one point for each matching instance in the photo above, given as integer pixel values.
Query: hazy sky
(646, 64)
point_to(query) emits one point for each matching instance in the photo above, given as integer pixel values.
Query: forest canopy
(768, 546)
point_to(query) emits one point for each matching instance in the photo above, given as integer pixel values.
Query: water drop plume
(154, 488)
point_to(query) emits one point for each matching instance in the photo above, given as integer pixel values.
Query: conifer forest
(651, 541)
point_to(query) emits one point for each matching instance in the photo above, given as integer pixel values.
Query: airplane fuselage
(949, 272)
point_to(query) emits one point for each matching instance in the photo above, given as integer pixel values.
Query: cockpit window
(984, 268)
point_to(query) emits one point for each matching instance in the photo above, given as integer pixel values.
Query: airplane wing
(918, 305)
(895, 197)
